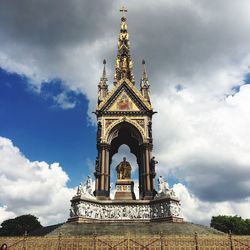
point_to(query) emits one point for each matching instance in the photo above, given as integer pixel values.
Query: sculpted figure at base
(79, 189)
(163, 189)
(86, 190)
(89, 188)
(123, 170)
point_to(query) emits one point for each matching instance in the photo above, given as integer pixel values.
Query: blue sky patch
(42, 129)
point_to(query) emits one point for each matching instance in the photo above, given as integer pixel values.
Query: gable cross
(123, 10)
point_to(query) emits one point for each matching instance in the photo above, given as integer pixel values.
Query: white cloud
(198, 44)
(5, 214)
(32, 187)
(64, 101)
(205, 142)
(195, 210)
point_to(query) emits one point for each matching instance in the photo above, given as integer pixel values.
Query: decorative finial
(124, 65)
(144, 72)
(104, 78)
(144, 82)
(103, 84)
(123, 10)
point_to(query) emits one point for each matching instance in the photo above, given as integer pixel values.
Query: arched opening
(124, 151)
(125, 141)
(125, 133)
(128, 134)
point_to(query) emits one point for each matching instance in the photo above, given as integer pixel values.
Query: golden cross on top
(123, 10)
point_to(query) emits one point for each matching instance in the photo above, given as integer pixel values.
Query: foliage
(234, 224)
(19, 225)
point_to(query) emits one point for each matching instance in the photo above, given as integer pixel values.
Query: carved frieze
(100, 211)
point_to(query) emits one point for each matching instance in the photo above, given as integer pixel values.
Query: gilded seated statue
(124, 170)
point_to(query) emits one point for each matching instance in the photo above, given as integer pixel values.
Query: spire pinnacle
(144, 73)
(144, 82)
(104, 77)
(103, 84)
(123, 60)
(144, 79)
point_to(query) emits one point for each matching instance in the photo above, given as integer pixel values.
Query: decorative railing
(147, 242)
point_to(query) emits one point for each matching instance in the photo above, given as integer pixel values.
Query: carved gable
(124, 97)
(123, 102)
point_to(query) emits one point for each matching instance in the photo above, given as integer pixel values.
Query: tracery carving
(108, 122)
(141, 122)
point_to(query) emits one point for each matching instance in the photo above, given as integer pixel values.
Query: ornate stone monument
(124, 116)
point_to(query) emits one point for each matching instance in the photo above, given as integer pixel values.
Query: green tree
(248, 226)
(234, 224)
(19, 225)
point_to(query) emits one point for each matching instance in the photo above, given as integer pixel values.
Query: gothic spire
(144, 82)
(123, 60)
(103, 84)
(104, 78)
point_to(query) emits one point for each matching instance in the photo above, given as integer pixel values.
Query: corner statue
(123, 170)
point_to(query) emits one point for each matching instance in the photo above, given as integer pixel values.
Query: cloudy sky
(197, 54)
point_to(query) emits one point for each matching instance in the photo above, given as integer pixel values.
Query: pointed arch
(120, 123)
(125, 133)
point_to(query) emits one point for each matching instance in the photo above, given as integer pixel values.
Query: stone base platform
(79, 219)
(132, 228)
(86, 210)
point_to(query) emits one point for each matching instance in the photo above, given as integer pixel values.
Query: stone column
(140, 164)
(103, 163)
(142, 170)
(98, 171)
(107, 169)
(102, 178)
(148, 185)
